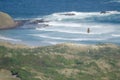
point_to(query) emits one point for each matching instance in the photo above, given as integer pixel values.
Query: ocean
(68, 21)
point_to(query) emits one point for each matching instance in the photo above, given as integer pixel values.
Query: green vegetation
(62, 62)
(6, 21)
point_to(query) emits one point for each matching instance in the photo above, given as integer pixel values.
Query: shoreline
(74, 45)
(13, 45)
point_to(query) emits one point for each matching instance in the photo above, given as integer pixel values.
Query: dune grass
(63, 62)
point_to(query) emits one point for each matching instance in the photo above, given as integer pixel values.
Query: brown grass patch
(68, 72)
(6, 75)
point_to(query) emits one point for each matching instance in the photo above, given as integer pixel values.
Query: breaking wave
(79, 15)
(116, 35)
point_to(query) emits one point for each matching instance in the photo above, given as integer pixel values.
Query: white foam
(115, 1)
(51, 42)
(78, 15)
(116, 35)
(8, 39)
(69, 39)
(79, 28)
(67, 31)
(64, 24)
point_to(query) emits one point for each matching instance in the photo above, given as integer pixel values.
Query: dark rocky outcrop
(6, 22)
(103, 12)
(68, 14)
(38, 21)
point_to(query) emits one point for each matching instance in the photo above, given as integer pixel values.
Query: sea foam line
(116, 35)
(71, 31)
(68, 39)
(8, 39)
(78, 15)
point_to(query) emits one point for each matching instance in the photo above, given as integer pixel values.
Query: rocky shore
(7, 22)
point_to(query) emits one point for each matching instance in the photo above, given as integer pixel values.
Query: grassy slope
(63, 62)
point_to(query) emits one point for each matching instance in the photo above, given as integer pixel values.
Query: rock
(21, 22)
(6, 21)
(38, 21)
(68, 14)
(103, 12)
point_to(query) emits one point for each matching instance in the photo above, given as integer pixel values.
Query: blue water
(104, 27)
(28, 8)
